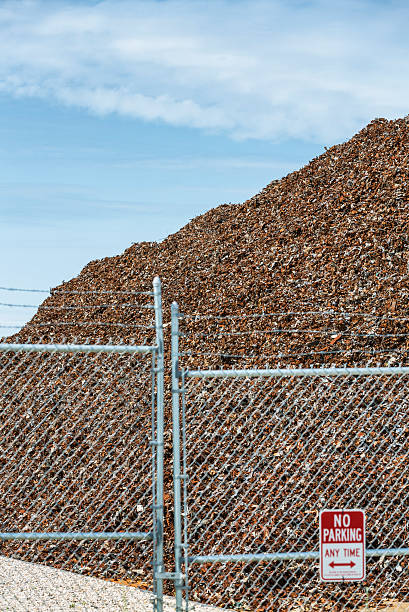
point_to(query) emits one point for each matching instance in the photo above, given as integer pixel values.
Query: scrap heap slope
(328, 239)
(321, 254)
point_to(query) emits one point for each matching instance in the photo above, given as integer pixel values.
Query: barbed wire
(19, 305)
(87, 340)
(198, 316)
(25, 290)
(63, 291)
(91, 306)
(80, 307)
(79, 324)
(107, 292)
(96, 306)
(89, 323)
(332, 333)
(285, 355)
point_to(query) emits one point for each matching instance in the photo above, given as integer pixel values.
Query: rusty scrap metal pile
(327, 244)
(311, 271)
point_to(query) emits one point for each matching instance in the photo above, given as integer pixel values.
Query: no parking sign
(342, 545)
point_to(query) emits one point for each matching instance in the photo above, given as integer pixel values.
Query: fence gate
(257, 455)
(81, 472)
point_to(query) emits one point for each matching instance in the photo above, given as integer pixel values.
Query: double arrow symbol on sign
(350, 564)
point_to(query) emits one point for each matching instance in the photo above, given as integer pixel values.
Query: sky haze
(122, 120)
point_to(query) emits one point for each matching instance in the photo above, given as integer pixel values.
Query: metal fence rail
(262, 451)
(81, 458)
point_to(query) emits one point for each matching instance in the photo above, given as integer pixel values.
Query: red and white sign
(342, 545)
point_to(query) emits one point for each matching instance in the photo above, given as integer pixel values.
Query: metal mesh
(264, 454)
(76, 458)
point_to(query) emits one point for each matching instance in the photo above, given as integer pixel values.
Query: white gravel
(31, 587)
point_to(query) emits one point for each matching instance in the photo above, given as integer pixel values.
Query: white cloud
(254, 68)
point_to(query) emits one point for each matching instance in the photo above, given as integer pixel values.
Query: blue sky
(121, 120)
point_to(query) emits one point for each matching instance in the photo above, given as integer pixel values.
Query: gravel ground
(30, 587)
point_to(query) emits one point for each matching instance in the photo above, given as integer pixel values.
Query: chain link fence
(257, 453)
(262, 452)
(81, 464)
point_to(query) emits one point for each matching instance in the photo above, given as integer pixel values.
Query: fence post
(158, 509)
(176, 453)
